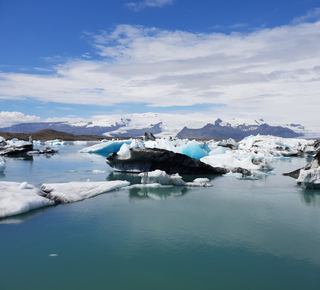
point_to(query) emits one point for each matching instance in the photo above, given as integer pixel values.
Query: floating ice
(162, 178)
(126, 147)
(56, 142)
(217, 151)
(309, 178)
(105, 147)
(76, 191)
(97, 171)
(17, 198)
(202, 180)
(277, 146)
(2, 164)
(191, 149)
(80, 143)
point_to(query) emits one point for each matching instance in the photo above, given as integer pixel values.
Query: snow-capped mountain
(165, 125)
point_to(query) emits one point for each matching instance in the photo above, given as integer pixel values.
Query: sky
(77, 59)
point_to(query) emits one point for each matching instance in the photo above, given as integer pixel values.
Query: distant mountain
(164, 125)
(62, 127)
(48, 134)
(216, 131)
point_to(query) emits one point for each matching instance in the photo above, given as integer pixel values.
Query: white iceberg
(17, 198)
(276, 146)
(159, 177)
(56, 142)
(76, 191)
(124, 149)
(309, 178)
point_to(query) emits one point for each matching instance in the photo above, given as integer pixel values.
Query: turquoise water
(261, 234)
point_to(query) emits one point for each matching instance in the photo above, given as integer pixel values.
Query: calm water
(261, 234)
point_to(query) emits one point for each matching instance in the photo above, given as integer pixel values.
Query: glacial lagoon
(238, 234)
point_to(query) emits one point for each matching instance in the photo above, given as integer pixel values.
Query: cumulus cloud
(270, 73)
(148, 3)
(8, 119)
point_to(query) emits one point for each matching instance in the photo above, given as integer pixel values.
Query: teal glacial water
(238, 234)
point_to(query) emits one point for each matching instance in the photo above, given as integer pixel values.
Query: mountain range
(164, 125)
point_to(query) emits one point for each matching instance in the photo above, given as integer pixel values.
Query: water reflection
(17, 219)
(146, 192)
(20, 157)
(311, 197)
(133, 178)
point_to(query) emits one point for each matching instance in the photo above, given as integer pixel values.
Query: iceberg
(105, 147)
(161, 177)
(15, 147)
(277, 146)
(76, 191)
(56, 142)
(150, 159)
(191, 149)
(124, 149)
(230, 161)
(217, 151)
(308, 176)
(17, 198)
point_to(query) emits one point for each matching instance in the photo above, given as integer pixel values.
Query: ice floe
(17, 198)
(76, 191)
(105, 147)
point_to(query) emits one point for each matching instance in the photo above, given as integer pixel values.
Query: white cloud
(148, 3)
(270, 73)
(312, 15)
(8, 119)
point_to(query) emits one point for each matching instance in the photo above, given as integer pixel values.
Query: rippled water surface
(238, 234)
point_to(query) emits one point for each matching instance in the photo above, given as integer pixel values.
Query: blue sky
(73, 59)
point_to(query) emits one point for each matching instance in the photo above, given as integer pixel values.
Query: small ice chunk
(202, 180)
(161, 177)
(23, 185)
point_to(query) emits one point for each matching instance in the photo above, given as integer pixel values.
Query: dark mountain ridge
(209, 131)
